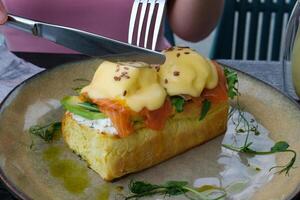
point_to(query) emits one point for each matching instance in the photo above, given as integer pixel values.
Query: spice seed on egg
(116, 78)
(118, 68)
(176, 73)
(169, 49)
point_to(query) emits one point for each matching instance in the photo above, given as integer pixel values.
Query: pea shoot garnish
(46, 132)
(279, 147)
(140, 189)
(232, 82)
(243, 125)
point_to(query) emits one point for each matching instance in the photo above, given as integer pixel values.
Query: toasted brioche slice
(113, 157)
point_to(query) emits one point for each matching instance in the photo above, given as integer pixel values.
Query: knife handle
(23, 24)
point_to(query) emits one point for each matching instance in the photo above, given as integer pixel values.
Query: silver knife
(86, 43)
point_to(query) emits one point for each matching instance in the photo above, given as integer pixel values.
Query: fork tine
(132, 20)
(141, 21)
(150, 15)
(160, 12)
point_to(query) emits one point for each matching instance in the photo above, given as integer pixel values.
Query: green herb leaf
(139, 187)
(46, 132)
(176, 183)
(205, 108)
(178, 103)
(280, 146)
(232, 80)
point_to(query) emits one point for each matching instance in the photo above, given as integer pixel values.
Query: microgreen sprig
(252, 127)
(46, 132)
(232, 82)
(141, 189)
(279, 147)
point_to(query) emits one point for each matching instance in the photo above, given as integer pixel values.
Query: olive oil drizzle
(73, 175)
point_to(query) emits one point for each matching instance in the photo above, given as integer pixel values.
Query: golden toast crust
(113, 157)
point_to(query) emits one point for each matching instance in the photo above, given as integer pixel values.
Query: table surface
(14, 70)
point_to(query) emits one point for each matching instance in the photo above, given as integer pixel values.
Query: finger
(3, 13)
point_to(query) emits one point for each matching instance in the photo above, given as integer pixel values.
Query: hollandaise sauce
(187, 72)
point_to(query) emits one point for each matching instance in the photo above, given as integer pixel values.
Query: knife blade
(86, 43)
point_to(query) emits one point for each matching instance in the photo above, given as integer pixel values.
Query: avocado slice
(78, 107)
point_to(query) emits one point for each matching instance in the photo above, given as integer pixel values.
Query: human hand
(193, 20)
(3, 13)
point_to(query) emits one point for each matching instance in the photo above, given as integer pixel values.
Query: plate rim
(10, 186)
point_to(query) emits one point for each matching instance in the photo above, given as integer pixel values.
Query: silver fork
(134, 13)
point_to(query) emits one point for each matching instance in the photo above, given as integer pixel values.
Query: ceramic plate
(52, 171)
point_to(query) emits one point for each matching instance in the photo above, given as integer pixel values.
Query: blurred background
(203, 46)
(248, 30)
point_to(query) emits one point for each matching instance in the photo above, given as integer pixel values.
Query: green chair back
(259, 37)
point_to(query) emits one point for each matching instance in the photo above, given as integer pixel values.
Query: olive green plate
(52, 171)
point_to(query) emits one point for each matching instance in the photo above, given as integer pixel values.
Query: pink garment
(109, 18)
